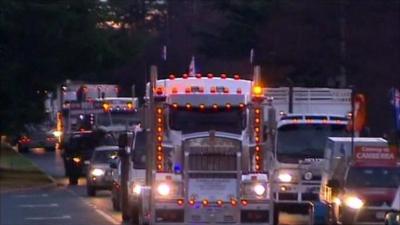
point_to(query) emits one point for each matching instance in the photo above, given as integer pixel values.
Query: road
(64, 204)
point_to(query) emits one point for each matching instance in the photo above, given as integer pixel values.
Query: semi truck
(360, 179)
(299, 121)
(205, 151)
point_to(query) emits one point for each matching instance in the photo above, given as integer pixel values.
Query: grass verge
(18, 172)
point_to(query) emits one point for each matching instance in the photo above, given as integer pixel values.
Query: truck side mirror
(113, 165)
(122, 143)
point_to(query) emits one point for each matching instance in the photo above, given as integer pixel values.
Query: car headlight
(163, 189)
(285, 177)
(97, 172)
(76, 159)
(137, 188)
(259, 189)
(57, 133)
(353, 202)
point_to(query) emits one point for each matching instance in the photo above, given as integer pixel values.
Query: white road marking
(99, 211)
(65, 217)
(107, 217)
(32, 196)
(39, 205)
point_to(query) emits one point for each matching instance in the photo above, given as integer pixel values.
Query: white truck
(359, 180)
(205, 152)
(298, 121)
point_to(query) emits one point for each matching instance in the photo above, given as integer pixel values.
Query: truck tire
(115, 199)
(135, 215)
(73, 180)
(91, 191)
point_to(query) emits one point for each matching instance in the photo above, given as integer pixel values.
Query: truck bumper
(254, 214)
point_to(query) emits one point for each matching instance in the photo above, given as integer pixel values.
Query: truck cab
(205, 151)
(299, 121)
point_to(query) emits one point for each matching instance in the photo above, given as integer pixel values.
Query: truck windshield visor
(300, 141)
(373, 177)
(196, 120)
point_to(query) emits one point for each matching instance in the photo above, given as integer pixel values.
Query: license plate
(380, 215)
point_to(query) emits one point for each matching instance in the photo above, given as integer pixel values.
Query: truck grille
(212, 162)
(212, 154)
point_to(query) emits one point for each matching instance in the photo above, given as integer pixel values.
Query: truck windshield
(301, 141)
(232, 120)
(104, 156)
(117, 118)
(378, 177)
(139, 153)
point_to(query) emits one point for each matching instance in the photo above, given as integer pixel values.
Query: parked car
(37, 139)
(99, 175)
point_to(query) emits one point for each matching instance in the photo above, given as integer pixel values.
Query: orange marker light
(175, 105)
(159, 90)
(130, 105)
(188, 106)
(159, 110)
(179, 201)
(202, 106)
(244, 202)
(215, 106)
(219, 202)
(205, 202)
(228, 106)
(257, 90)
(174, 90)
(192, 201)
(233, 202)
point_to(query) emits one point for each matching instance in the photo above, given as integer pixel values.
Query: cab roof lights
(257, 90)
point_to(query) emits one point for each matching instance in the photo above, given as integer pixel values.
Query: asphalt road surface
(67, 205)
(61, 205)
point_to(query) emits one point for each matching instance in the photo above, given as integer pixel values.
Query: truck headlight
(163, 189)
(57, 133)
(137, 189)
(285, 177)
(259, 189)
(97, 172)
(353, 202)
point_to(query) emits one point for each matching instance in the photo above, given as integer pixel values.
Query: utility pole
(342, 79)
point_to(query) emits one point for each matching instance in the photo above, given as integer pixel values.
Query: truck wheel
(140, 217)
(125, 217)
(91, 191)
(115, 200)
(73, 180)
(135, 215)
